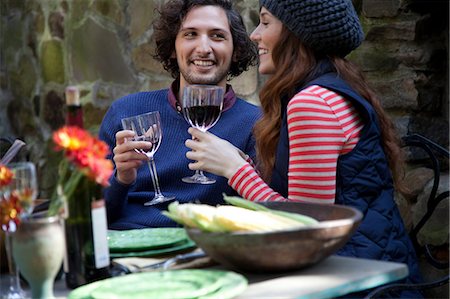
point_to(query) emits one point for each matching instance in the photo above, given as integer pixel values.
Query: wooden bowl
(283, 250)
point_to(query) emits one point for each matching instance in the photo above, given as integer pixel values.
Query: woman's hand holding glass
(213, 154)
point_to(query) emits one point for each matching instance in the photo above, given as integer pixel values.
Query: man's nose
(204, 45)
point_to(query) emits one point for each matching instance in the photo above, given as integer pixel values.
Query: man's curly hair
(167, 25)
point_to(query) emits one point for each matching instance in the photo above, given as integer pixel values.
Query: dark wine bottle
(87, 257)
(87, 252)
(74, 111)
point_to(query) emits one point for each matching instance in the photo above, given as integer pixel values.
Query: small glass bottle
(74, 111)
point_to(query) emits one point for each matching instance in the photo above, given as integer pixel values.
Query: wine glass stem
(14, 282)
(199, 173)
(154, 175)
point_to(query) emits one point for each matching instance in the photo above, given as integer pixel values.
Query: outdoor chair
(434, 152)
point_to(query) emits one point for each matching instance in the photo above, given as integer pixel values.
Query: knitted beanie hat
(328, 26)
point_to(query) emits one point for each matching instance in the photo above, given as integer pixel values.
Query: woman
(324, 136)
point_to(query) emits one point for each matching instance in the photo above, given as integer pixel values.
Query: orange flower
(10, 210)
(71, 138)
(87, 153)
(6, 175)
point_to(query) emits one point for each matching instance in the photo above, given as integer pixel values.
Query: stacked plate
(174, 284)
(148, 242)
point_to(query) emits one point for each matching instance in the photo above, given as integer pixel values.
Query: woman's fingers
(212, 154)
(197, 134)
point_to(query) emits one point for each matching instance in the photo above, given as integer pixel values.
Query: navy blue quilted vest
(363, 182)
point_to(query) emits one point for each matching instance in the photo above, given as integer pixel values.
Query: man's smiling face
(204, 47)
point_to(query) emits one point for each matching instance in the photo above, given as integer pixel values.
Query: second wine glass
(202, 106)
(147, 127)
(24, 189)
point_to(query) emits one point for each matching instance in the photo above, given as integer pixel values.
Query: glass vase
(38, 251)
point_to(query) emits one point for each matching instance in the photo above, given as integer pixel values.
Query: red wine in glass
(202, 106)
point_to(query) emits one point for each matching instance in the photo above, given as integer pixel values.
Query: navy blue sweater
(125, 209)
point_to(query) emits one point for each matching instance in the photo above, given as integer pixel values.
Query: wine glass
(202, 106)
(24, 185)
(24, 188)
(147, 127)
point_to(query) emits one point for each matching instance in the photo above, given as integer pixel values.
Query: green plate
(188, 244)
(145, 239)
(232, 284)
(84, 292)
(174, 284)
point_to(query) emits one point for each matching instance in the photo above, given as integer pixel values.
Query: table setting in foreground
(230, 273)
(192, 263)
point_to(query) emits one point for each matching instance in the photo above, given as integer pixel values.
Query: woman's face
(266, 35)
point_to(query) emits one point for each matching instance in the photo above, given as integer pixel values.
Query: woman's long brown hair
(294, 63)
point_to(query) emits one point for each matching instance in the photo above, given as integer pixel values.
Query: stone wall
(104, 47)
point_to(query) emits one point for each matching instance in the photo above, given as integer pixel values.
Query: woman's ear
(174, 55)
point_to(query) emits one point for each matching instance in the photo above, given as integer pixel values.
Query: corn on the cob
(243, 203)
(239, 219)
(246, 216)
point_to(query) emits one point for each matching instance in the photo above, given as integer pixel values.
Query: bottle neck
(74, 116)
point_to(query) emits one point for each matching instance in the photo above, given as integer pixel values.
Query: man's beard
(207, 79)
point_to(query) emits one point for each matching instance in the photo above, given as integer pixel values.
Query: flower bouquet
(83, 171)
(84, 166)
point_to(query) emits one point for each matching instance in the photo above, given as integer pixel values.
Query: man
(198, 42)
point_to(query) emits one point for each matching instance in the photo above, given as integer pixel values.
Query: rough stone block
(373, 57)
(143, 14)
(23, 79)
(53, 109)
(110, 9)
(402, 28)
(381, 8)
(52, 61)
(162, 83)
(96, 54)
(396, 89)
(436, 230)
(144, 62)
(434, 128)
(415, 180)
(246, 83)
(104, 93)
(56, 24)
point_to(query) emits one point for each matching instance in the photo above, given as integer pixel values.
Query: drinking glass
(24, 187)
(202, 106)
(147, 127)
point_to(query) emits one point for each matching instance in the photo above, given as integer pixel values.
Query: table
(335, 276)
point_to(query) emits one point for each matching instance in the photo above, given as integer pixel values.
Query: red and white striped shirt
(322, 125)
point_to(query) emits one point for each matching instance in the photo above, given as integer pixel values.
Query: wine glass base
(198, 179)
(158, 200)
(11, 291)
